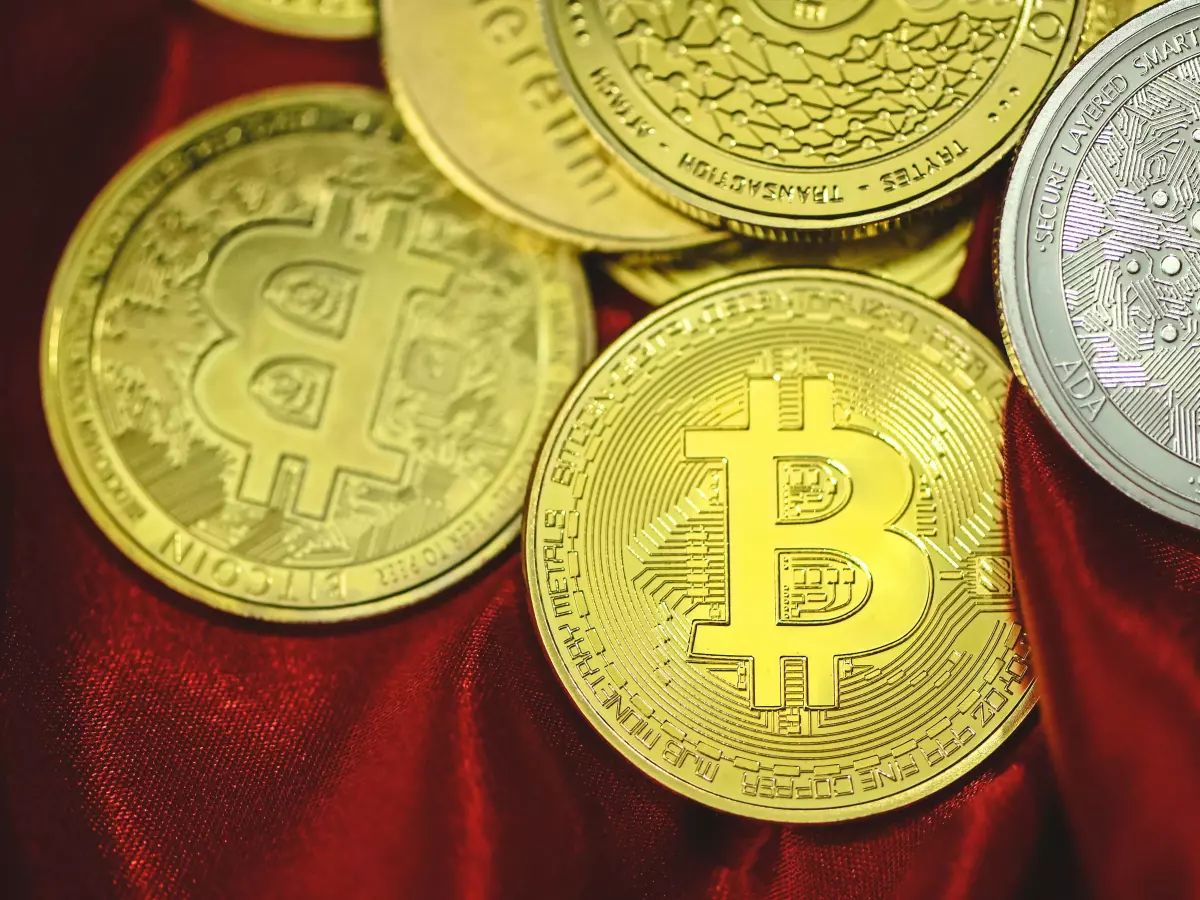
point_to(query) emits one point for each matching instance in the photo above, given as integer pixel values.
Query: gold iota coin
(331, 19)
(927, 256)
(294, 374)
(773, 117)
(766, 547)
(476, 85)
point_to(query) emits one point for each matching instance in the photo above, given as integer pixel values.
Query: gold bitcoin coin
(766, 548)
(293, 373)
(332, 19)
(777, 117)
(476, 86)
(926, 256)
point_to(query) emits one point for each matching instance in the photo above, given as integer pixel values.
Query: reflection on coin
(476, 86)
(1099, 259)
(293, 373)
(926, 256)
(773, 116)
(334, 19)
(766, 547)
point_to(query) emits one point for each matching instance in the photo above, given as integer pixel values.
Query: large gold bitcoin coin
(333, 19)
(476, 86)
(927, 256)
(783, 116)
(766, 547)
(293, 373)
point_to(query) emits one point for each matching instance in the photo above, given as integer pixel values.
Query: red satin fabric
(152, 748)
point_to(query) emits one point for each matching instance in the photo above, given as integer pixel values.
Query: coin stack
(321, 352)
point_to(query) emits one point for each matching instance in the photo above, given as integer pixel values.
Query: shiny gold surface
(475, 84)
(293, 373)
(766, 547)
(333, 19)
(1105, 15)
(776, 117)
(926, 256)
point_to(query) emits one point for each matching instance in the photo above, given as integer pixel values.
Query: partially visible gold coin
(777, 117)
(332, 19)
(293, 373)
(476, 86)
(766, 547)
(1105, 15)
(926, 256)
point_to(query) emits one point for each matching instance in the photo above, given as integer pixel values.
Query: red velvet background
(152, 748)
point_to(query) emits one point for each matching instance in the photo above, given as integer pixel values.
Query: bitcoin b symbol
(311, 316)
(815, 566)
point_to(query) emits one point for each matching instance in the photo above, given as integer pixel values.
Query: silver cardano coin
(1099, 259)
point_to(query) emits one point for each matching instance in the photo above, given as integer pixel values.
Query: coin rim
(499, 204)
(57, 303)
(952, 773)
(782, 228)
(1024, 352)
(621, 268)
(303, 25)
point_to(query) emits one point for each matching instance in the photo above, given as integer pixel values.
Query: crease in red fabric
(173, 83)
(1114, 592)
(153, 748)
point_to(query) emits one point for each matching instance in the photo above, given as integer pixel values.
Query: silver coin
(1099, 259)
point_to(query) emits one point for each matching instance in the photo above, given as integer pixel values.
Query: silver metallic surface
(1099, 259)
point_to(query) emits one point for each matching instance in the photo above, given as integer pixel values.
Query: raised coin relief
(774, 611)
(803, 84)
(314, 350)
(334, 366)
(766, 547)
(819, 586)
(1131, 260)
(301, 376)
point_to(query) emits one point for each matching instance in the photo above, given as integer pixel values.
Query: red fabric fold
(1112, 599)
(154, 748)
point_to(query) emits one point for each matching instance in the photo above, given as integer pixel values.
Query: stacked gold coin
(779, 118)
(301, 353)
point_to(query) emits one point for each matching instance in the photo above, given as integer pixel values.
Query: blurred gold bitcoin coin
(766, 547)
(293, 373)
(926, 256)
(333, 19)
(476, 86)
(781, 116)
